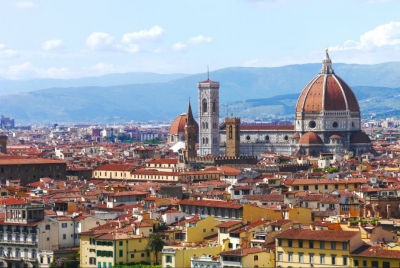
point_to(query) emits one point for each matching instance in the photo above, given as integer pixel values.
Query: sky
(75, 38)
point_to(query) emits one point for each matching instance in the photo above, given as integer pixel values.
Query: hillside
(245, 92)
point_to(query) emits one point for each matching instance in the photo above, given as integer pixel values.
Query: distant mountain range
(245, 92)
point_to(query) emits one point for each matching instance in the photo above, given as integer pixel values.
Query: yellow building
(194, 230)
(376, 256)
(323, 248)
(247, 257)
(181, 256)
(300, 214)
(253, 213)
(114, 243)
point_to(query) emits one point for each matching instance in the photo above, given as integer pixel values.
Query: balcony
(25, 231)
(20, 242)
(29, 259)
(9, 230)
(11, 258)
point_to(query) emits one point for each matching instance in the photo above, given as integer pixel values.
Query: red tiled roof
(242, 252)
(320, 235)
(375, 251)
(211, 203)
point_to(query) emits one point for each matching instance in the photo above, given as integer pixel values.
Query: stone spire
(326, 65)
(189, 116)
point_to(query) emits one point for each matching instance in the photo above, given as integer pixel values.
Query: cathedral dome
(310, 138)
(178, 125)
(359, 137)
(327, 92)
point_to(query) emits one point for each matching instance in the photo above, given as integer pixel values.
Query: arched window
(206, 140)
(206, 125)
(214, 107)
(204, 105)
(230, 132)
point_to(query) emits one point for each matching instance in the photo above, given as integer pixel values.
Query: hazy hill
(252, 92)
(18, 86)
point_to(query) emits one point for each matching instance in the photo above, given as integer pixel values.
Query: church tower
(232, 136)
(190, 134)
(209, 117)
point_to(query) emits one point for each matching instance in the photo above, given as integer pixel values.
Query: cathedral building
(327, 120)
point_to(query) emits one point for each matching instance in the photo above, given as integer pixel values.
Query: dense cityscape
(211, 192)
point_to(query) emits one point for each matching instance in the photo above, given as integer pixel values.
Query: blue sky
(76, 38)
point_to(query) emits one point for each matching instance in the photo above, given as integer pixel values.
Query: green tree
(156, 244)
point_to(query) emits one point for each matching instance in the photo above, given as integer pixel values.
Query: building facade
(209, 137)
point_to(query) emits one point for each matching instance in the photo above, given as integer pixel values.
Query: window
(121, 253)
(290, 256)
(256, 257)
(344, 245)
(47, 227)
(365, 264)
(64, 225)
(345, 261)
(301, 257)
(204, 105)
(322, 259)
(142, 255)
(91, 260)
(386, 264)
(204, 230)
(230, 245)
(280, 256)
(64, 236)
(333, 258)
(168, 259)
(300, 243)
(322, 245)
(333, 245)
(311, 258)
(290, 243)
(311, 244)
(121, 243)
(279, 242)
(326, 187)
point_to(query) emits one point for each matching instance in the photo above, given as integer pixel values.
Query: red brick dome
(360, 137)
(327, 92)
(178, 125)
(310, 138)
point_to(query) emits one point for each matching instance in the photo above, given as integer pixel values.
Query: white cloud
(179, 46)
(266, 4)
(103, 68)
(151, 35)
(25, 4)
(28, 71)
(130, 42)
(199, 39)
(100, 41)
(386, 35)
(7, 53)
(52, 44)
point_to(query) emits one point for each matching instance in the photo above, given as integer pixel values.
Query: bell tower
(190, 134)
(209, 117)
(232, 136)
